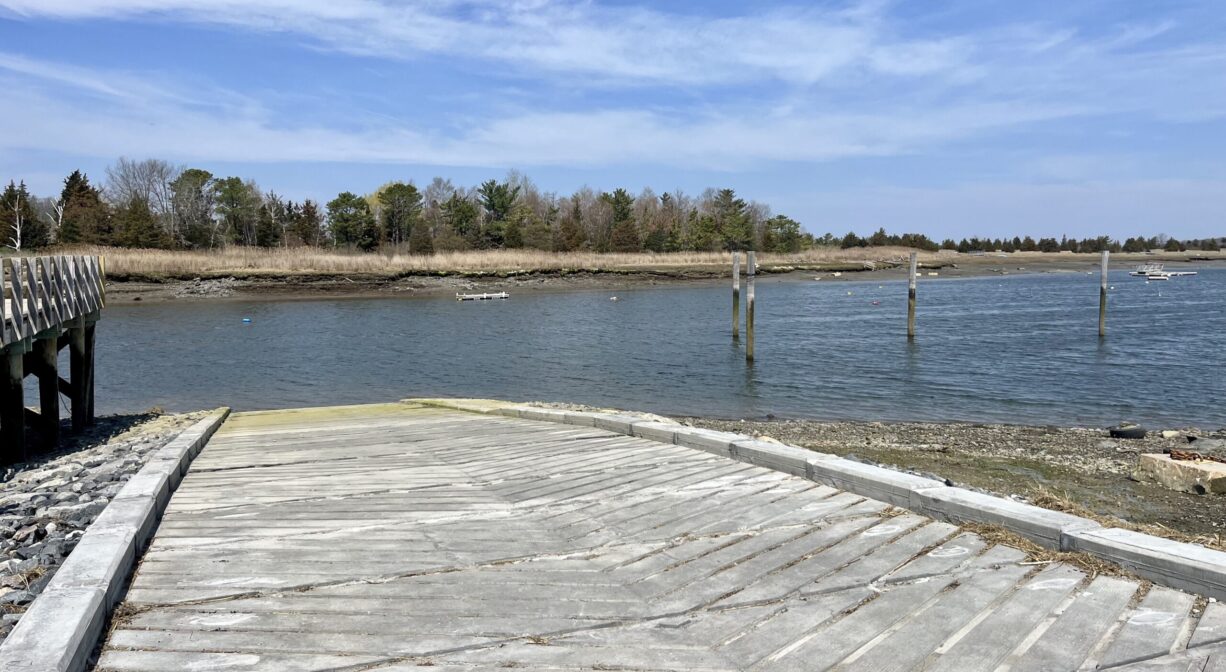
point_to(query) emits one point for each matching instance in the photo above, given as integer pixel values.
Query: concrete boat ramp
(392, 537)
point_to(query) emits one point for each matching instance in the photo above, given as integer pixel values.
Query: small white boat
(1155, 271)
(481, 297)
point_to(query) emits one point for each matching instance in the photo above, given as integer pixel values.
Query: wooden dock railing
(46, 304)
(42, 293)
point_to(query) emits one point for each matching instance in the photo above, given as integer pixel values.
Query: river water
(1016, 349)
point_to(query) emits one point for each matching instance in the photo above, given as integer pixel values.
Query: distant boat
(1156, 271)
(482, 297)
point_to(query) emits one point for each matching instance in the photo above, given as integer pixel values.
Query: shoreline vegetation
(286, 273)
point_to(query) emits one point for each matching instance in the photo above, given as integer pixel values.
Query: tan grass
(306, 261)
(1038, 555)
(1055, 500)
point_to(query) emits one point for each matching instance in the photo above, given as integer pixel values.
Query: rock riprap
(46, 504)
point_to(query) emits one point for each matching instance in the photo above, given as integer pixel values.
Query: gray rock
(17, 597)
(28, 533)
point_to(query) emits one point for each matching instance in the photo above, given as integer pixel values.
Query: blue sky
(977, 117)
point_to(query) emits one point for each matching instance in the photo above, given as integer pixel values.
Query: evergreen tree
(624, 234)
(402, 206)
(86, 218)
(570, 230)
(781, 234)
(268, 228)
(308, 224)
(852, 240)
(732, 221)
(137, 226)
(238, 205)
(352, 222)
(498, 198)
(420, 240)
(460, 216)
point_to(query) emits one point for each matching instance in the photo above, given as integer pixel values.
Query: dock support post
(751, 268)
(911, 296)
(12, 407)
(47, 351)
(90, 325)
(736, 296)
(1102, 298)
(76, 374)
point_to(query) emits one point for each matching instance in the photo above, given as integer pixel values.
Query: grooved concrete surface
(394, 536)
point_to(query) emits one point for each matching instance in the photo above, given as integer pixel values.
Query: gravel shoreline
(46, 504)
(1076, 469)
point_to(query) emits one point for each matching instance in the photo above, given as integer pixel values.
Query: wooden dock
(46, 304)
(395, 536)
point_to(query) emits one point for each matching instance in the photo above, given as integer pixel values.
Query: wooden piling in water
(751, 267)
(911, 296)
(1102, 298)
(736, 296)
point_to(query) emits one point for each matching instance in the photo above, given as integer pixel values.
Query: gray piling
(736, 296)
(750, 270)
(911, 296)
(1102, 298)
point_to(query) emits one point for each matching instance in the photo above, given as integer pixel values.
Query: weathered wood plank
(328, 538)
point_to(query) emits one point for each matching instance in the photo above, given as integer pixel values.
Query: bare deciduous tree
(18, 223)
(148, 180)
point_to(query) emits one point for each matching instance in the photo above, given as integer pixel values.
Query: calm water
(1019, 349)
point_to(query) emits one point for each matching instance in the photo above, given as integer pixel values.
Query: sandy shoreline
(259, 286)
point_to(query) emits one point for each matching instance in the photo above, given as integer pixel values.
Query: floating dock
(482, 297)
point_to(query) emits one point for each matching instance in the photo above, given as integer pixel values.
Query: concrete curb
(60, 629)
(1163, 561)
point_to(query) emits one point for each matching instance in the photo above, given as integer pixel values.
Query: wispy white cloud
(827, 85)
(628, 44)
(131, 116)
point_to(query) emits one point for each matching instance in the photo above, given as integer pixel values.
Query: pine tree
(732, 221)
(420, 241)
(402, 205)
(137, 226)
(308, 224)
(624, 234)
(570, 230)
(352, 222)
(268, 229)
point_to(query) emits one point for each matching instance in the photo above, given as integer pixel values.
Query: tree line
(155, 204)
(1026, 244)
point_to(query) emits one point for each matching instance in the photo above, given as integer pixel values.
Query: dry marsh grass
(314, 261)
